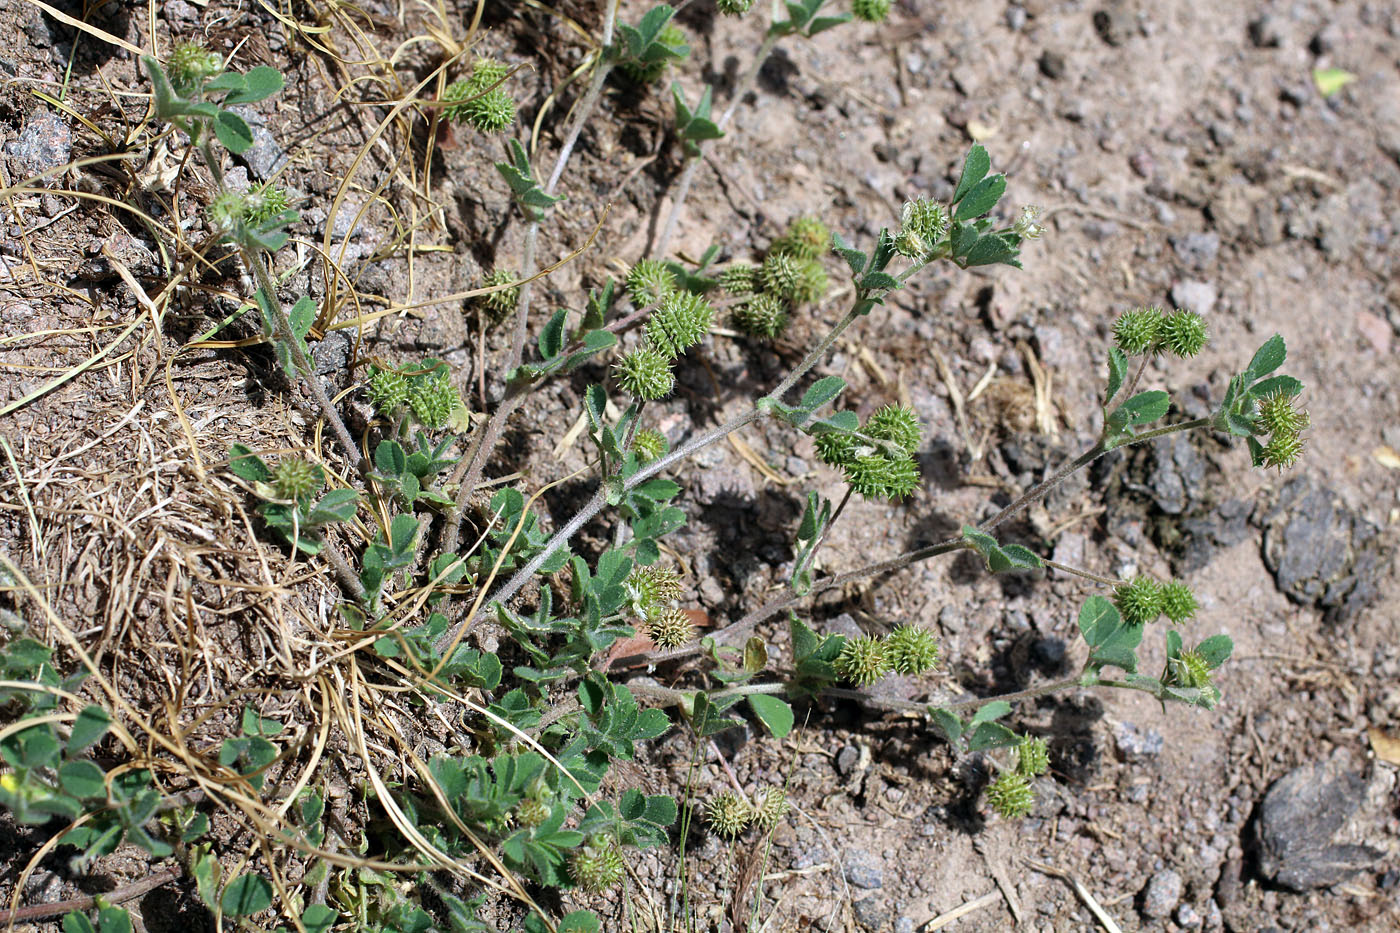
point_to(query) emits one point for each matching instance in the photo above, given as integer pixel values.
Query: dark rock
(1162, 894)
(846, 760)
(264, 157)
(1115, 23)
(1178, 473)
(872, 913)
(1320, 552)
(1326, 39)
(1298, 819)
(1015, 17)
(1202, 536)
(863, 869)
(45, 143)
(1135, 745)
(1049, 653)
(1265, 33)
(1142, 163)
(1052, 65)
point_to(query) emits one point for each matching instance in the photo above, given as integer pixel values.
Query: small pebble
(1162, 894)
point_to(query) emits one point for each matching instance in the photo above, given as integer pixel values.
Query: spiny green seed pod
(862, 661)
(734, 7)
(649, 445)
(295, 478)
(671, 629)
(478, 101)
(647, 72)
(433, 399)
(922, 223)
(835, 448)
(1136, 331)
(805, 238)
(1282, 451)
(896, 423)
(872, 11)
(763, 316)
(772, 806)
(1190, 670)
(1028, 225)
(882, 478)
(741, 278)
(649, 282)
(500, 303)
(1278, 416)
(682, 321)
(1139, 600)
(781, 275)
(190, 65)
(1032, 756)
(911, 650)
(1011, 795)
(597, 866)
(387, 390)
(1183, 333)
(645, 373)
(266, 202)
(532, 812)
(1178, 602)
(227, 210)
(729, 814)
(653, 590)
(812, 282)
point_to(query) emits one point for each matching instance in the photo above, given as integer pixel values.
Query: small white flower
(1026, 226)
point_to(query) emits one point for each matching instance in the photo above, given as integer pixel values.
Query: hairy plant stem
(341, 567)
(741, 90)
(749, 620)
(581, 115)
(670, 695)
(1066, 568)
(684, 451)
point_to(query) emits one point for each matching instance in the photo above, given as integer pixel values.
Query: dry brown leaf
(1387, 457)
(1385, 745)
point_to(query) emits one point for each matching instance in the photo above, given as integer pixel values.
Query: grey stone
(1015, 17)
(1137, 745)
(1298, 819)
(264, 157)
(1187, 917)
(863, 869)
(846, 760)
(1197, 250)
(1265, 32)
(872, 913)
(1195, 295)
(1161, 895)
(1320, 552)
(45, 143)
(904, 925)
(179, 12)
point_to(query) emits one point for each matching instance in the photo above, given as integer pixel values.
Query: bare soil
(1183, 155)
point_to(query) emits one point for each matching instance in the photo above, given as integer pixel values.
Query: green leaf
(390, 459)
(318, 918)
(1285, 385)
(1021, 558)
(77, 923)
(707, 719)
(990, 249)
(990, 712)
(1216, 650)
(948, 723)
(823, 23)
(228, 81)
(1267, 358)
(233, 132)
(1117, 372)
(253, 724)
(981, 197)
(302, 316)
(856, 259)
(245, 895)
(338, 505)
(985, 735)
(167, 102)
(822, 391)
(773, 713)
(247, 465)
(879, 281)
(1331, 80)
(259, 83)
(975, 168)
(1099, 621)
(92, 723)
(82, 779)
(552, 336)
